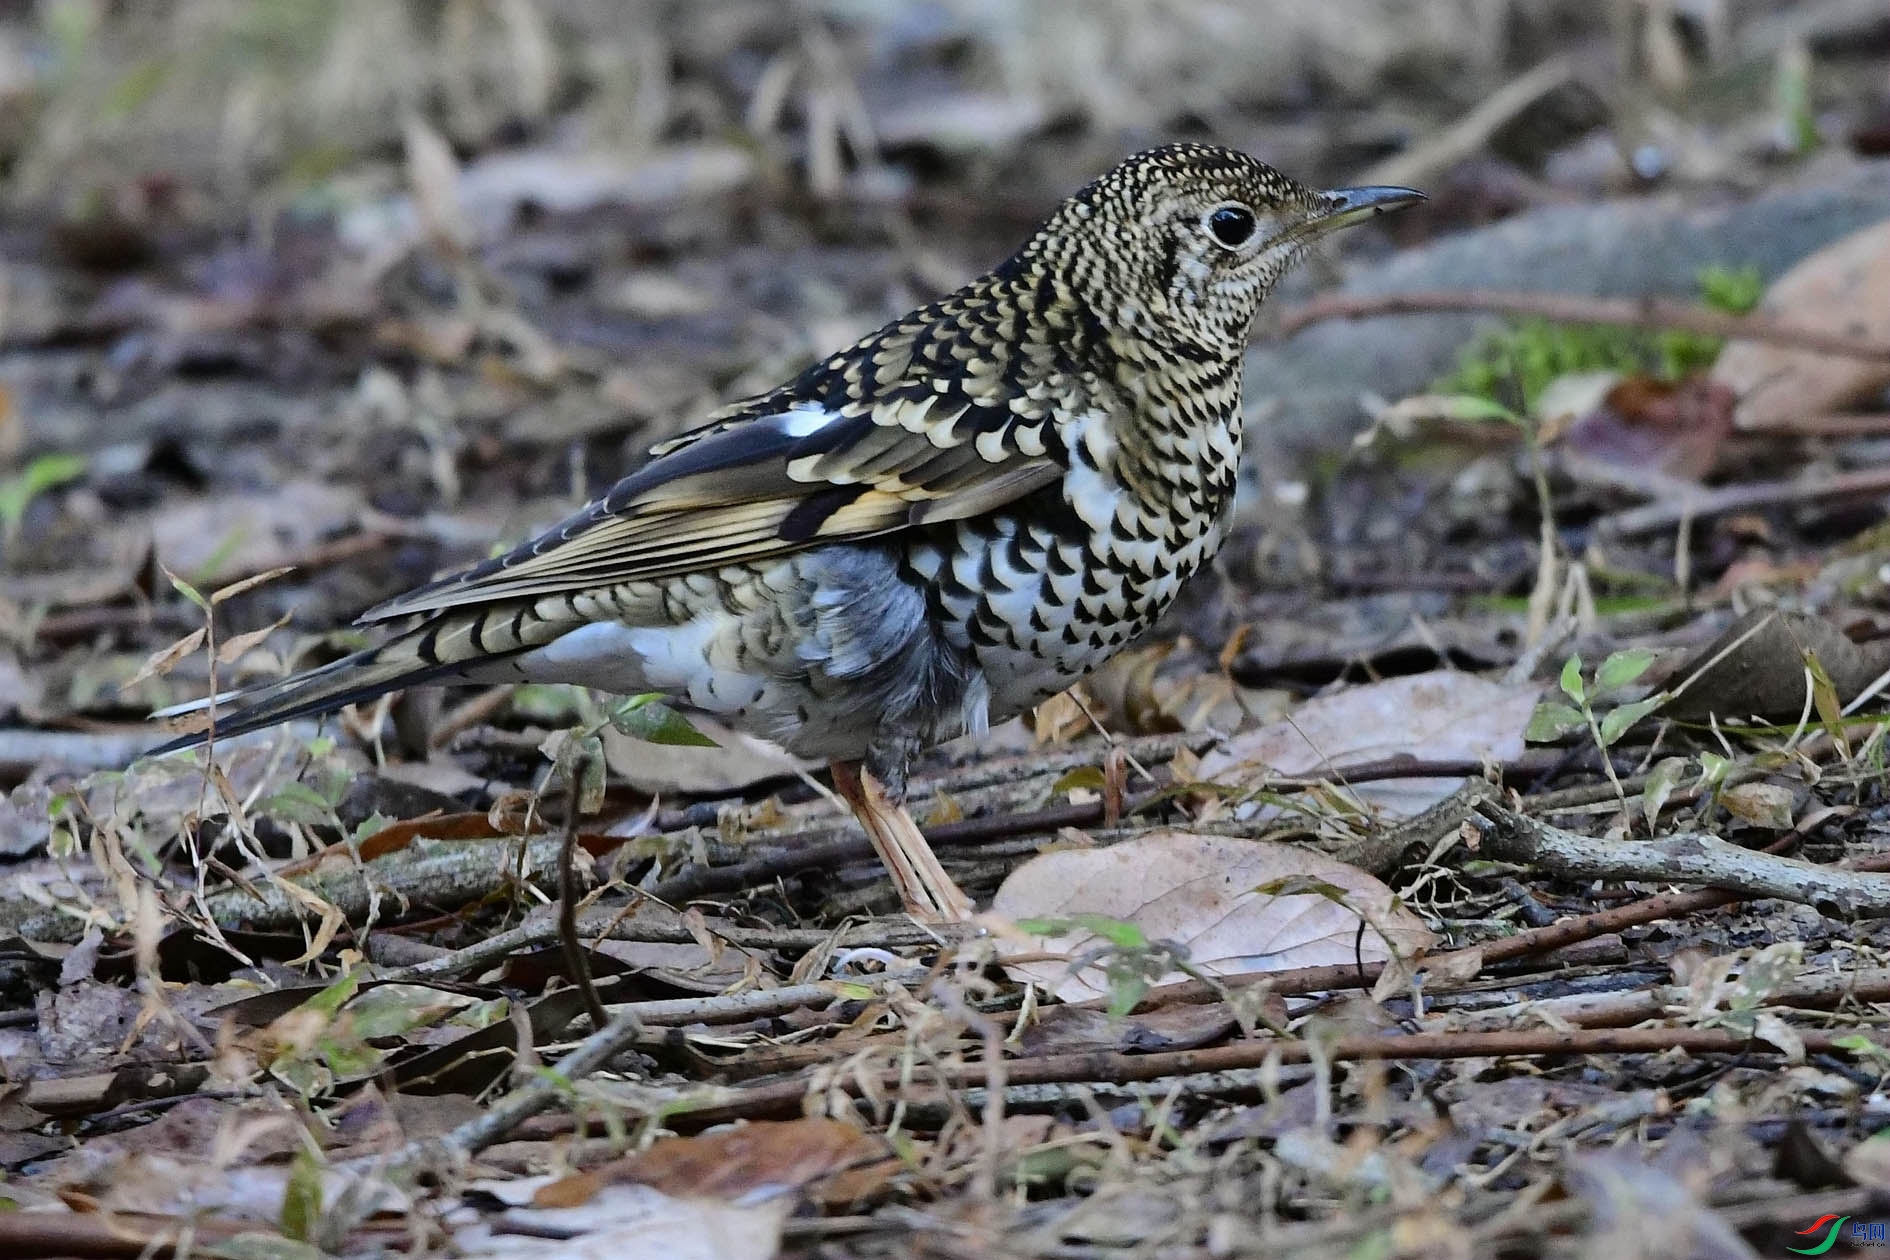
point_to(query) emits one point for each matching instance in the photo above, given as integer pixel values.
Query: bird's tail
(450, 646)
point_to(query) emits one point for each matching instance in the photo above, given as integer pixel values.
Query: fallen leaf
(1761, 804)
(621, 1222)
(693, 967)
(1443, 715)
(740, 1164)
(1645, 434)
(738, 761)
(1758, 668)
(1075, 1029)
(1843, 288)
(1198, 892)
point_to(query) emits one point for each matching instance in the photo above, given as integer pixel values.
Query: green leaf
(1622, 668)
(1126, 988)
(298, 802)
(1086, 777)
(374, 822)
(1824, 698)
(188, 591)
(1713, 769)
(648, 718)
(302, 1196)
(1572, 679)
(1661, 781)
(331, 999)
(1618, 721)
(1121, 934)
(389, 1010)
(48, 472)
(1473, 408)
(1118, 932)
(1864, 1048)
(1551, 721)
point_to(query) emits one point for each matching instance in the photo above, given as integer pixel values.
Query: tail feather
(441, 649)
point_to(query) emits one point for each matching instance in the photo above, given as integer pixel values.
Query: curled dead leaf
(1199, 892)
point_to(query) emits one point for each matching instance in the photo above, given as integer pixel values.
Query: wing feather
(783, 476)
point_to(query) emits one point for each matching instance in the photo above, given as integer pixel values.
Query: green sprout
(17, 493)
(1553, 719)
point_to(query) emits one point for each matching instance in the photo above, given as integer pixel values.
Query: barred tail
(447, 647)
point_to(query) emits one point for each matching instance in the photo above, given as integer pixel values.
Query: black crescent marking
(812, 512)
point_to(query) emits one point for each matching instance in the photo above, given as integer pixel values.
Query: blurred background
(361, 286)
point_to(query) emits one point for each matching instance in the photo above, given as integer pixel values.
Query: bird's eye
(1231, 225)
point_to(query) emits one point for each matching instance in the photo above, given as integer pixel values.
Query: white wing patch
(803, 419)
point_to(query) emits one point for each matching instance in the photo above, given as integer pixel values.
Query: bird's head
(1183, 243)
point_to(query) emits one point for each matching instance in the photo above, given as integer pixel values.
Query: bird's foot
(927, 892)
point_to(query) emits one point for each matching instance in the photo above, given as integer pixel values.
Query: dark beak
(1342, 207)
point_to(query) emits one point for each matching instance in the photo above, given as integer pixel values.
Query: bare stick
(574, 959)
(1659, 516)
(1685, 857)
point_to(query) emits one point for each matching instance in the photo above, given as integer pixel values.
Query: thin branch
(1739, 498)
(1684, 857)
(575, 960)
(1650, 313)
(785, 1098)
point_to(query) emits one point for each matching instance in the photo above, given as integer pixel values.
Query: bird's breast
(1047, 590)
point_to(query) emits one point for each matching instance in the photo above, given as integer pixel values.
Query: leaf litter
(317, 1002)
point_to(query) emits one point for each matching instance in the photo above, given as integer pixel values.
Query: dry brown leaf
(1844, 288)
(1444, 715)
(1761, 804)
(709, 965)
(734, 1164)
(165, 659)
(232, 649)
(1198, 891)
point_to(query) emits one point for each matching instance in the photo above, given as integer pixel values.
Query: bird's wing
(776, 477)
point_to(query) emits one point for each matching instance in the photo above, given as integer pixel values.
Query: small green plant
(1514, 366)
(1553, 719)
(1130, 962)
(17, 492)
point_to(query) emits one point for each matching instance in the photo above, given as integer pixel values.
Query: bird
(932, 530)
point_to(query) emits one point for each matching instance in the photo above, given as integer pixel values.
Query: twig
(785, 1097)
(1651, 313)
(596, 1050)
(575, 961)
(1470, 133)
(695, 882)
(1685, 857)
(729, 1008)
(1757, 494)
(468, 715)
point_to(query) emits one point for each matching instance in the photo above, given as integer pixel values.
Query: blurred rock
(1312, 383)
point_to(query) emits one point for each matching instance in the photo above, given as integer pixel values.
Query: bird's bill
(1342, 207)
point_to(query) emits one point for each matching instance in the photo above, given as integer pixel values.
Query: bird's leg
(927, 892)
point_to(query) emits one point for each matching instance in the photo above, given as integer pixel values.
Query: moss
(1514, 366)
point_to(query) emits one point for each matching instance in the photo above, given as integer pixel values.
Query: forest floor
(1531, 728)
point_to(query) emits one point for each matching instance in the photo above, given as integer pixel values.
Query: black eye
(1231, 225)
